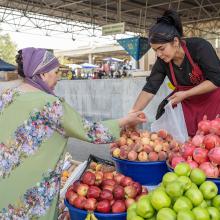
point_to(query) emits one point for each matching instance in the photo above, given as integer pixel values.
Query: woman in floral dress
(34, 129)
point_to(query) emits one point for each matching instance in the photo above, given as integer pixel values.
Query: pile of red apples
(105, 192)
(144, 146)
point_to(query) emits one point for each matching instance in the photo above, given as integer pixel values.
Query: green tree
(8, 49)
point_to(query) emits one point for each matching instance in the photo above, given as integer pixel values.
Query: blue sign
(135, 46)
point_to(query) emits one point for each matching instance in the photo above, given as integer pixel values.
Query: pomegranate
(176, 160)
(209, 169)
(187, 150)
(211, 140)
(198, 140)
(200, 155)
(192, 163)
(215, 126)
(214, 155)
(204, 125)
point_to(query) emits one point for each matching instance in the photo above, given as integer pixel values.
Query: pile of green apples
(182, 195)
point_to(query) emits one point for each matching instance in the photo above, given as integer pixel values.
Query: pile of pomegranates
(105, 192)
(202, 150)
(144, 146)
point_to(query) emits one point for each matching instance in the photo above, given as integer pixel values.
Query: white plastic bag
(74, 176)
(172, 121)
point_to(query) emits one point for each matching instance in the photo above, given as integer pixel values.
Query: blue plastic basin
(78, 214)
(146, 173)
(214, 180)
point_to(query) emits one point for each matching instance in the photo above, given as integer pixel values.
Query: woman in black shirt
(192, 66)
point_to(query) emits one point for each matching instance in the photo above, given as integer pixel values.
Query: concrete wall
(107, 99)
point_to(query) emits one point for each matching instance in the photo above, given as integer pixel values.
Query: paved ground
(81, 150)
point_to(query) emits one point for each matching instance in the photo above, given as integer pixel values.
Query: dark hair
(166, 28)
(19, 61)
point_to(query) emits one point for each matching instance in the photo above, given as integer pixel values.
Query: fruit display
(144, 146)
(104, 192)
(183, 195)
(203, 150)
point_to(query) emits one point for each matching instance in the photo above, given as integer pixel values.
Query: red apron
(195, 107)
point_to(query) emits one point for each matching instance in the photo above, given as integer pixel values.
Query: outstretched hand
(133, 119)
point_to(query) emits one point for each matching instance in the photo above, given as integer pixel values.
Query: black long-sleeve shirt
(201, 52)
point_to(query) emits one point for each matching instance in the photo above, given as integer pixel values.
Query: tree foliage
(8, 49)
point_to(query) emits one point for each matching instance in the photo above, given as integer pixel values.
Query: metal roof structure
(199, 17)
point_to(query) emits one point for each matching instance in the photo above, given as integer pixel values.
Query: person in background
(192, 66)
(34, 128)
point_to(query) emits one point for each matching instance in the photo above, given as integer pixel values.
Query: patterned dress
(34, 129)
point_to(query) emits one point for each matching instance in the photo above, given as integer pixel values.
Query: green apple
(197, 176)
(174, 189)
(195, 196)
(182, 203)
(208, 189)
(168, 178)
(203, 204)
(214, 213)
(160, 199)
(166, 214)
(201, 213)
(182, 169)
(209, 202)
(185, 215)
(144, 208)
(216, 202)
(185, 181)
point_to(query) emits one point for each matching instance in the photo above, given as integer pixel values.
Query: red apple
(82, 189)
(110, 182)
(98, 177)
(93, 192)
(90, 204)
(75, 185)
(118, 206)
(126, 181)
(107, 175)
(88, 178)
(119, 192)
(128, 202)
(118, 177)
(103, 206)
(79, 202)
(138, 187)
(108, 187)
(106, 195)
(71, 196)
(130, 191)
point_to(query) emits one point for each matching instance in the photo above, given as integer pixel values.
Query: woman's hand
(132, 119)
(178, 97)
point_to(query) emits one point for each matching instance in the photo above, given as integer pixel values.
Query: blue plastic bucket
(214, 180)
(78, 214)
(146, 173)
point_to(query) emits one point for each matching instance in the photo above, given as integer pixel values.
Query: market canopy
(88, 66)
(4, 66)
(112, 59)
